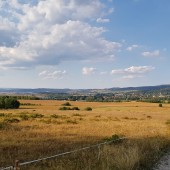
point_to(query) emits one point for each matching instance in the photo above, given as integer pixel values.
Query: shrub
(72, 121)
(24, 117)
(64, 108)
(160, 104)
(9, 103)
(168, 122)
(75, 108)
(88, 109)
(76, 114)
(115, 138)
(36, 115)
(66, 104)
(12, 120)
(68, 108)
(55, 116)
(2, 114)
(149, 117)
(3, 125)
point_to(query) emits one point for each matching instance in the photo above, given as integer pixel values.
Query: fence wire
(62, 154)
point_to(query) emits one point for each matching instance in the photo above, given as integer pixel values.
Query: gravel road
(164, 163)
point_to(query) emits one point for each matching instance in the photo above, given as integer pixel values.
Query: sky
(84, 44)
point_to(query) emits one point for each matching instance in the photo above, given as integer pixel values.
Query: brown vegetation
(40, 129)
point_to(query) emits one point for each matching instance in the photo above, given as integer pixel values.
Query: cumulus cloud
(155, 53)
(103, 20)
(58, 74)
(130, 48)
(48, 32)
(88, 70)
(133, 72)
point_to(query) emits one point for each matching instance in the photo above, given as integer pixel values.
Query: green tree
(7, 102)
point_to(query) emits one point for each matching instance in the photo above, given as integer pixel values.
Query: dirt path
(164, 163)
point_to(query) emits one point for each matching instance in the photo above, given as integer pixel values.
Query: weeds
(149, 117)
(11, 120)
(3, 125)
(168, 122)
(72, 121)
(55, 116)
(66, 104)
(114, 138)
(76, 114)
(24, 116)
(88, 109)
(2, 114)
(36, 115)
(47, 133)
(69, 108)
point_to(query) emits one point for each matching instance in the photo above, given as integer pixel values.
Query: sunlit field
(39, 129)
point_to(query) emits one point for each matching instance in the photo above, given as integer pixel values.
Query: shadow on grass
(129, 154)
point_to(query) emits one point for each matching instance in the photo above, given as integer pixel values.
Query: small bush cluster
(2, 114)
(69, 108)
(160, 104)
(168, 122)
(88, 109)
(55, 116)
(24, 116)
(12, 120)
(114, 138)
(3, 125)
(66, 104)
(27, 116)
(72, 121)
(36, 115)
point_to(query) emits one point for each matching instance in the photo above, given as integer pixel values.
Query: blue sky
(84, 44)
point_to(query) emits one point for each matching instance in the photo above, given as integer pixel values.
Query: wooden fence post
(16, 165)
(99, 152)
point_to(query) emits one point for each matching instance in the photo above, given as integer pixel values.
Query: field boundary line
(64, 153)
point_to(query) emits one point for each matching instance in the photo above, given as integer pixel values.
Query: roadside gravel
(164, 163)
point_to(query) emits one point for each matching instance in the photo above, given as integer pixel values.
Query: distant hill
(82, 91)
(142, 88)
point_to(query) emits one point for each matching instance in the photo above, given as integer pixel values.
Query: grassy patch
(168, 122)
(3, 125)
(72, 121)
(88, 109)
(11, 120)
(48, 131)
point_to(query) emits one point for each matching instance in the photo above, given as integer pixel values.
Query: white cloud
(129, 77)
(88, 70)
(103, 20)
(50, 32)
(58, 74)
(139, 69)
(111, 10)
(130, 48)
(133, 70)
(155, 53)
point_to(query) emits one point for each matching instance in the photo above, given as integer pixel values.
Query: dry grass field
(39, 129)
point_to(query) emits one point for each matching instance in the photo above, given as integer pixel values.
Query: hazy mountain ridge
(83, 91)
